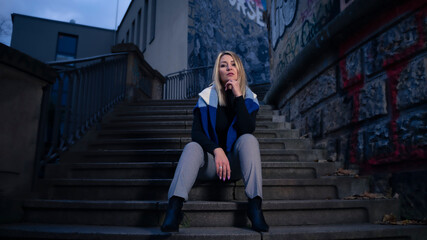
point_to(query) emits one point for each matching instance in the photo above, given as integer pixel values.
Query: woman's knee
(248, 140)
(193, 146)
(192, 152)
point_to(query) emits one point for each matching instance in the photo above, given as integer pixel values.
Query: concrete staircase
(113, 185)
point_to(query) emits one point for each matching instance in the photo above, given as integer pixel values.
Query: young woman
(223, 146)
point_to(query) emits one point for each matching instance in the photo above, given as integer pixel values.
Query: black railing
(188, 83)
(85, 90)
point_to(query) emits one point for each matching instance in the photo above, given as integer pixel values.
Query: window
(138, 29)
(66, 48)
(144, 32)
(132, 38)
(153, 20)
(127, 37)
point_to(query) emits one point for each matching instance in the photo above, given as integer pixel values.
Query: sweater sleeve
(199, 136)
(245, 122)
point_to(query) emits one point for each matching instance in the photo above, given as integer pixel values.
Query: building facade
(182, 34)
(49, 40)
(159, 29)
(173, 35)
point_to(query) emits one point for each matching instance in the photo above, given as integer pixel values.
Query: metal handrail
(187, 83)
(84, 91)
(87, 59)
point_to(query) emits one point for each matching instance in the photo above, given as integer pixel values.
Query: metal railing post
(187, 83)
(83, 92)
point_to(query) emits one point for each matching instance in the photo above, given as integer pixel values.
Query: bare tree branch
(5, 26)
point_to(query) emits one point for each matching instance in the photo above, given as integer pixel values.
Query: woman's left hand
(234, 86)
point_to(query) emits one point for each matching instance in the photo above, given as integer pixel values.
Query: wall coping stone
(130, 47)
(25, 63)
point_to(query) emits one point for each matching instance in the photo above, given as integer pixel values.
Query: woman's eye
(222, 65)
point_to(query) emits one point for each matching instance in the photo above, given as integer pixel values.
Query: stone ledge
(130, 47)
(25, 63)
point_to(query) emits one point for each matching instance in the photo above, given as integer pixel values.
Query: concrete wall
(22, 79)
(142, 81)
(353, 76)
(167, 52)
(38, 37)
(235, 25)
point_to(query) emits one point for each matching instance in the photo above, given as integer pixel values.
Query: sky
(96, 13)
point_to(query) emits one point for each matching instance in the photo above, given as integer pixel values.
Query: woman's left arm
(245, 122)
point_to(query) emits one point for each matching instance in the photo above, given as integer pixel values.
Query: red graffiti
(401, 152)
(393, 66)
(354, 85)
(354, 94)
(381, 20)
(258, 3)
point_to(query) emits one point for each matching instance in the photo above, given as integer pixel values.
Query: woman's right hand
(234, 86)
(222, 164)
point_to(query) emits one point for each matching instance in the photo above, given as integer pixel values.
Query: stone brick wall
(365, 99)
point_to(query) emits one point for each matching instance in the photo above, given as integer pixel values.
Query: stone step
(139, 143)
(162, 170)
(321, 232)
(169, 105)
(179, 143)
(177, 133)
(123, 112)
(188, 117)
(347, 231)
(296, 170)
(180, 125)
(148, 125)
(188, 102)
(209, 214)
(131, 107)
(172, 155)
(157, 189)
(285, 143)
(148, 112)
(90, 232)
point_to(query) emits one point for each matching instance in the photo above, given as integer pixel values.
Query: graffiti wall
(366, 101)
(235, 25)
(293, 24)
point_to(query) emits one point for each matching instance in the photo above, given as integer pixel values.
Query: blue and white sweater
(208, 103)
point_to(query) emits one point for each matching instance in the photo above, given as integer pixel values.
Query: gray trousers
(194, 163)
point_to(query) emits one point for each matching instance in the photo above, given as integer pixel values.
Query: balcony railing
(85, 90)
(188, 83)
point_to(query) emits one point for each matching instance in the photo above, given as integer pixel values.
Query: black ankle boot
(173, 215)
(256, 216)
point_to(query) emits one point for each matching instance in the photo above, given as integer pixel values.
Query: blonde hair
(241, 76)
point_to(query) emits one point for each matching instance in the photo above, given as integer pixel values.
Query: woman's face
(227, 69)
